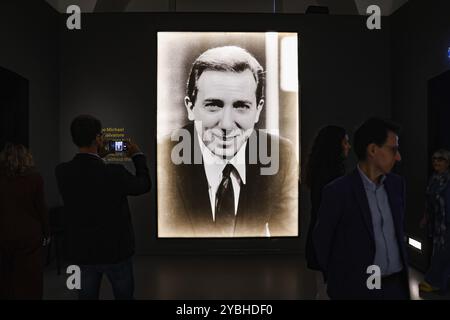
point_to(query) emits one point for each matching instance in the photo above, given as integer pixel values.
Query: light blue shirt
(387, 252)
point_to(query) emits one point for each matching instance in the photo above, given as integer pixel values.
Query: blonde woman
(23, 225)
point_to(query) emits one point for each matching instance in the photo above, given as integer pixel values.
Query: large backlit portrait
(228, 135)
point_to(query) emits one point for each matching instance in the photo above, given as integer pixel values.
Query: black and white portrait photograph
(228, 134)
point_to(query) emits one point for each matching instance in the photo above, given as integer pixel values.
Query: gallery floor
(218, 277)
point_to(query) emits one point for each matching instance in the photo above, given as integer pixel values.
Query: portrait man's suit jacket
(184, 208)
(98, 226)
(344, 237)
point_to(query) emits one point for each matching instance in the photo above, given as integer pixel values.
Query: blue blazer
(343, 236)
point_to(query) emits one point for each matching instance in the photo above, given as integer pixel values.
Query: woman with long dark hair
(326, 162)
(23, 225)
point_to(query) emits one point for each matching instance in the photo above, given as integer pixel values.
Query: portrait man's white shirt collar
(214, 166)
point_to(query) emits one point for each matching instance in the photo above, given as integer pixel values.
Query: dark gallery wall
(420, 39)
(109, 69)
(29, 34)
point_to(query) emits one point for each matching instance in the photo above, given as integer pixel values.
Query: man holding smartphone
(99, 231)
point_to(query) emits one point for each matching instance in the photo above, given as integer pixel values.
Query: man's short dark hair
(228, 58)
(84, 129)
(374, 130)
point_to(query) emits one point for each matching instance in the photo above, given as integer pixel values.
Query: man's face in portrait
(225, 110)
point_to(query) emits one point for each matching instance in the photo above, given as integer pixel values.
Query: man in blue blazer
(359, 236)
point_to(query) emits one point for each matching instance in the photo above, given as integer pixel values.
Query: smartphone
(117, 146)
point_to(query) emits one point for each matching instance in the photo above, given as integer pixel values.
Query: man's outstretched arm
(140, 182)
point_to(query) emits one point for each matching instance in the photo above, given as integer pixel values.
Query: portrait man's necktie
(225, 217)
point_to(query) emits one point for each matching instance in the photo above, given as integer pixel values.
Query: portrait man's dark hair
(374, 130)
(228, 58)
(84, 129)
